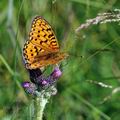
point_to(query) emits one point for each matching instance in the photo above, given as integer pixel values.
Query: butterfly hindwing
(47, 60)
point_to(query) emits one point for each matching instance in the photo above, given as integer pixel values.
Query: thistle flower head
(29, 87)
(40, 82)
(56, 73)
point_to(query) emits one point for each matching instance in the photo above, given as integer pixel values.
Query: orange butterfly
(42, 48)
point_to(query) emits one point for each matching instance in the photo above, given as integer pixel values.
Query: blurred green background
(79, 96)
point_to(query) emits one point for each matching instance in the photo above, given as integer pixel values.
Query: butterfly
(42, 48)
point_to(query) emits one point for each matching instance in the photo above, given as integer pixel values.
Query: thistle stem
(39, 106)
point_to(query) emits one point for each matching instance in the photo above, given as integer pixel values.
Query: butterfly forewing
(42, 35)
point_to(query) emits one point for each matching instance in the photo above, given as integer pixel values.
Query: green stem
(39, 106)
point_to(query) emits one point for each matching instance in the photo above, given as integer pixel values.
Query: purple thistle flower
(26, 84)
(41, 82)
(56, 73)
(29, 87)
(44, 82)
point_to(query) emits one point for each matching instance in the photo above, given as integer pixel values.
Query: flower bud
(56, 73)
(29, 87)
